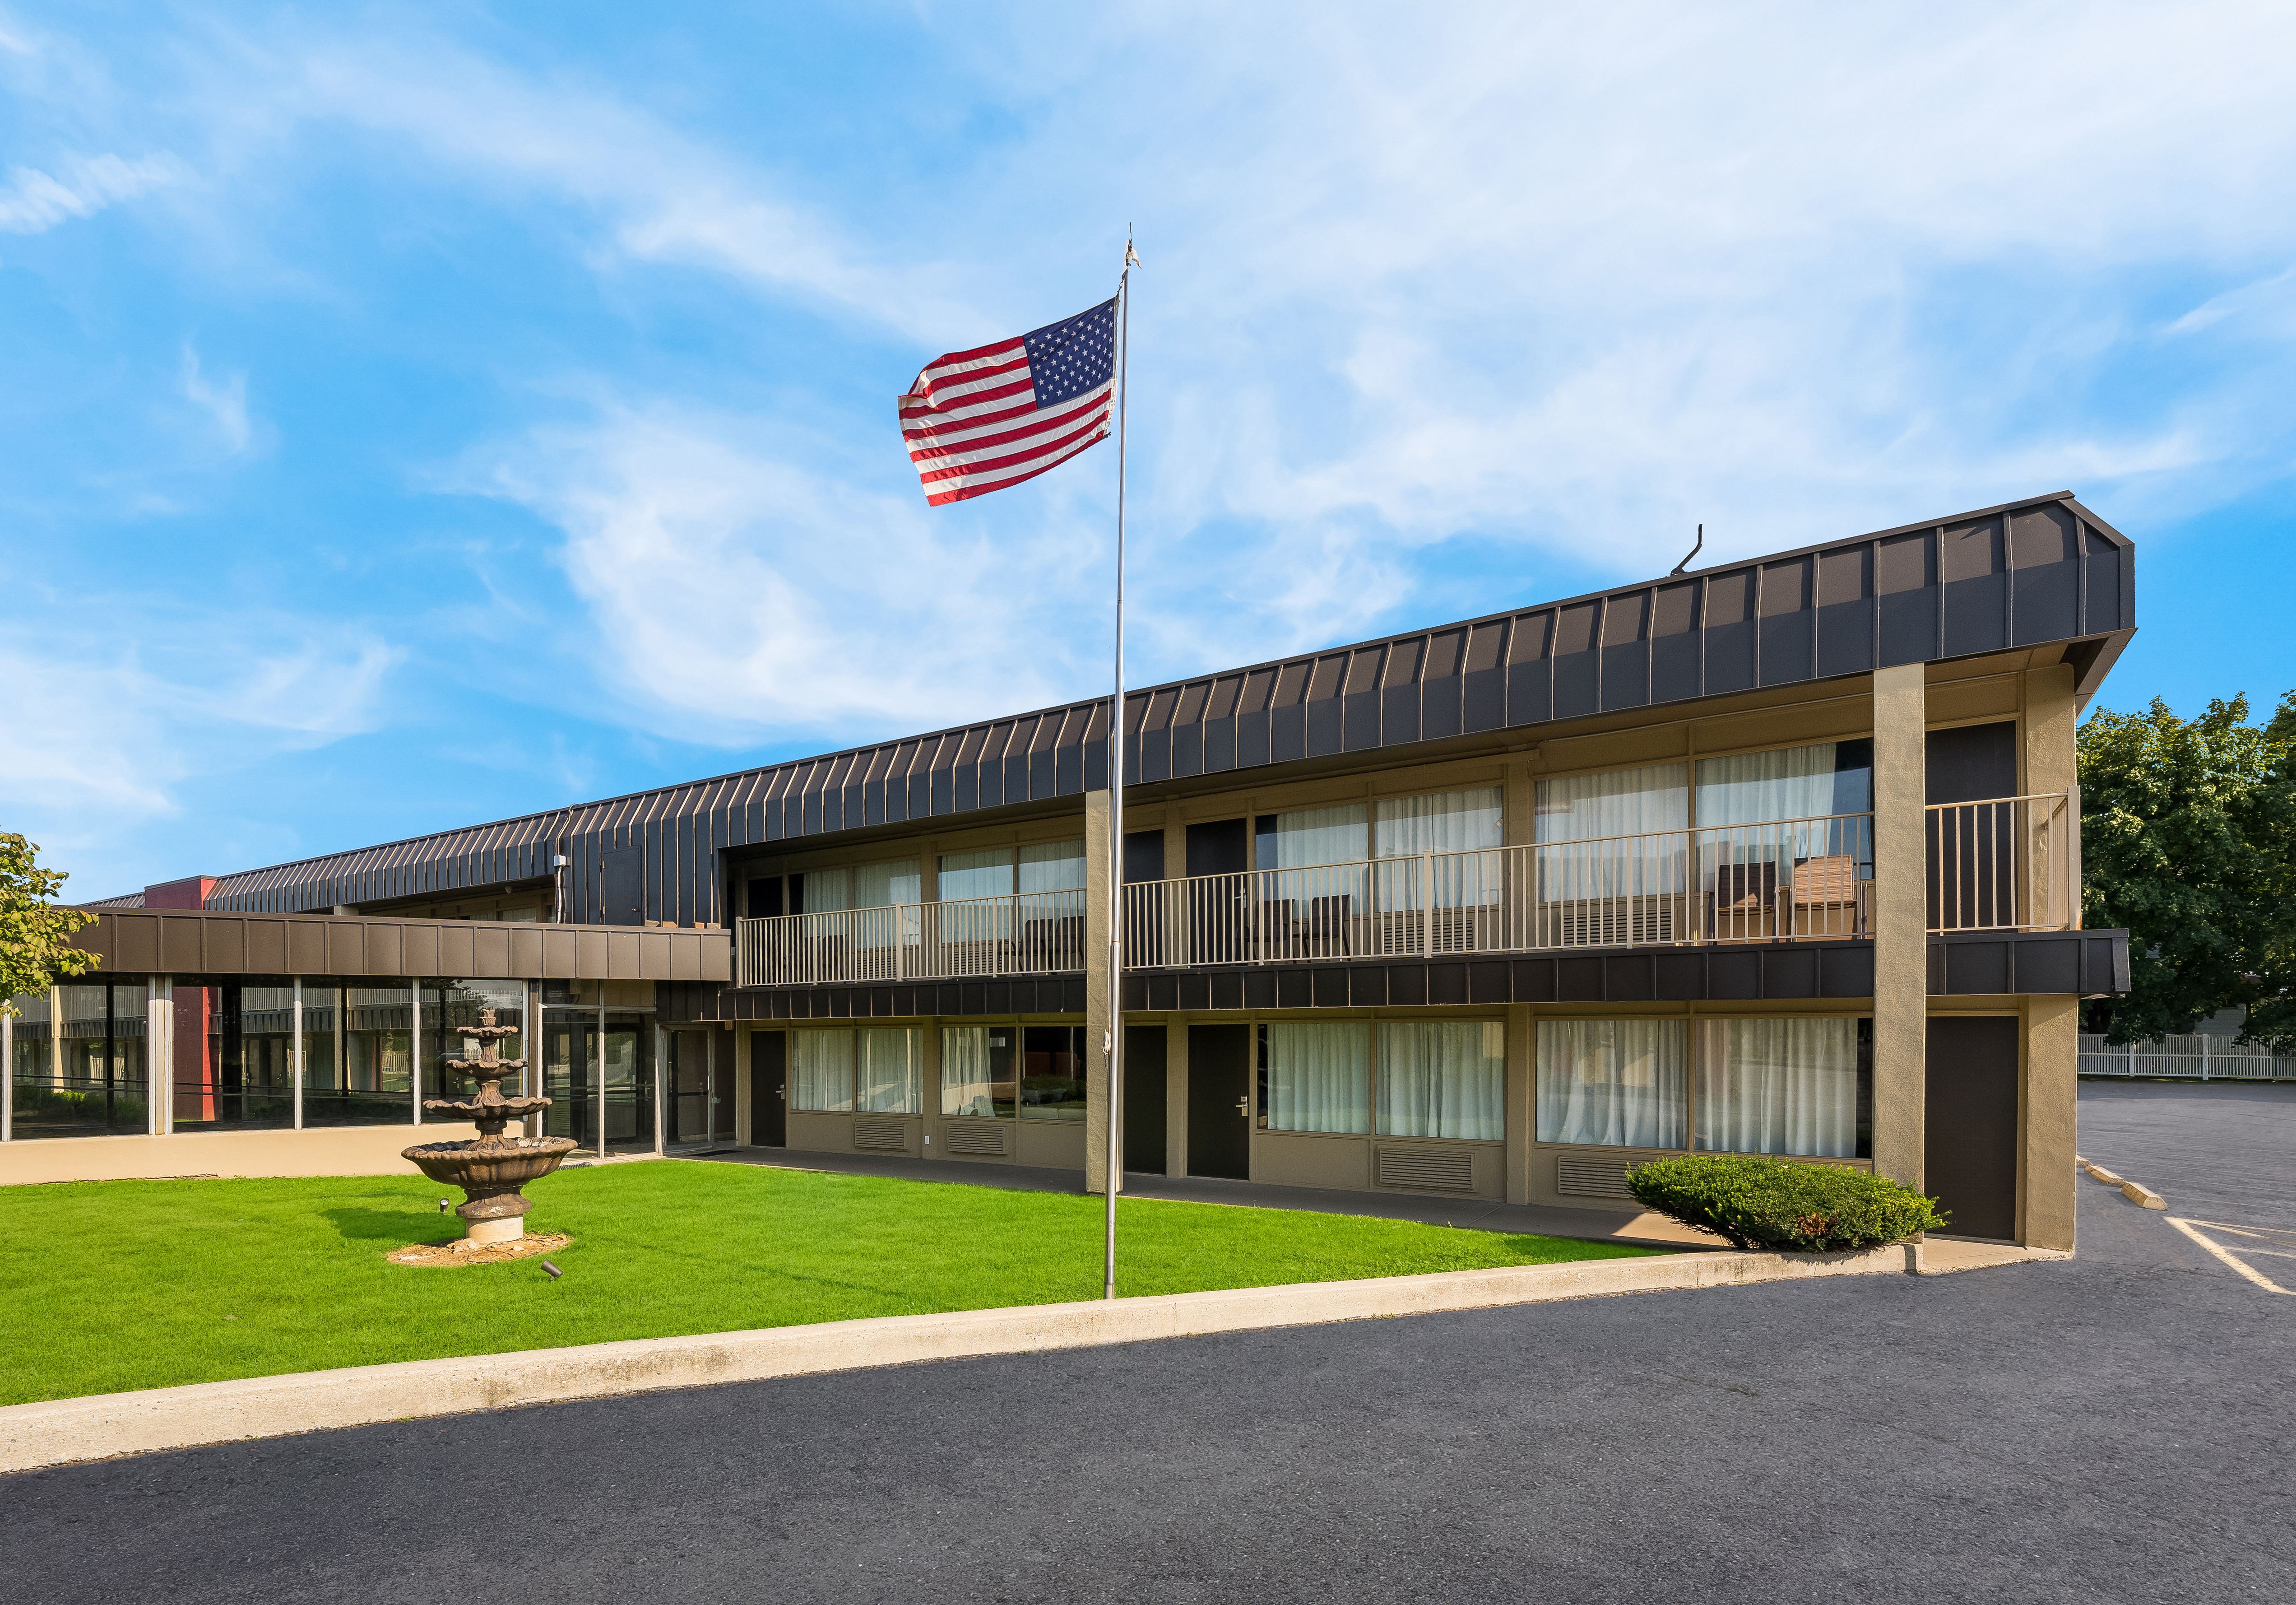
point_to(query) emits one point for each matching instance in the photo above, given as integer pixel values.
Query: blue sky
(415, 415)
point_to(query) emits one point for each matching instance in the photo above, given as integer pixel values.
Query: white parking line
(2226, 1254)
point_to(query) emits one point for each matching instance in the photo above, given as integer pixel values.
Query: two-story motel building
(1780, 857)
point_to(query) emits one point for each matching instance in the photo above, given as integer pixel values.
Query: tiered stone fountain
(491, 1170)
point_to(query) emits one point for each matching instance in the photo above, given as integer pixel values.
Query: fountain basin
(490, 1170)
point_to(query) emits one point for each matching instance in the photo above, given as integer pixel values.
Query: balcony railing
(1025, 934)
(2007, 864)
(1785, 880)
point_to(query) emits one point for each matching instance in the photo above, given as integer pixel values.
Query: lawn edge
(100, 1426)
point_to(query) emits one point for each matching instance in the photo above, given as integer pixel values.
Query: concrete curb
(59, 1432)
(2135, 1192)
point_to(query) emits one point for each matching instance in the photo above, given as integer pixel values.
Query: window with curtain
(1795, 783)
(1052, 866)
(1315, 1077)
(1583, 808)
(976, 1070)
(1443, 1079)
(823, 891)
(1645, 806)
(1783, 1087)
(821, 1067)
(987, 873)
(1308, 836)
(889, 1065)
(882, 885)
(1459, 821)
(1622, 1083)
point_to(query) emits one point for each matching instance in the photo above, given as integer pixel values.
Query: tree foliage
(34, 951)
(2188, 840)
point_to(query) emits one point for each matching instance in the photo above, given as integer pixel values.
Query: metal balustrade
(2010, 863)
(1786, 879)
(1023, 934)
(2005, 864)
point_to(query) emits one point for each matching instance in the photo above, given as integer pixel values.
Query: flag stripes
(979, 420)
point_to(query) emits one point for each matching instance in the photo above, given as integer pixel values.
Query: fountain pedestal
(490, 1170)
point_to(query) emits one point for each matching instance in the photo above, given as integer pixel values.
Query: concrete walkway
(1627, 1225)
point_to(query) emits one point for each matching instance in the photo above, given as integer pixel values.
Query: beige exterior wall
(316, 1151)
(2047, 1086)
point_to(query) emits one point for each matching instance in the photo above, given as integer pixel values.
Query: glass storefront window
(233, 1041)
(80, 1069)
(449, 1003)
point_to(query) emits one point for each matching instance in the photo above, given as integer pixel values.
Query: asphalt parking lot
(2117, 1426)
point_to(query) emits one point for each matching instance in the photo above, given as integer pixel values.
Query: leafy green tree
(2186, 841)
(34, 951)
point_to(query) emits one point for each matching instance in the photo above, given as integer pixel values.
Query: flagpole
(1114, 1047)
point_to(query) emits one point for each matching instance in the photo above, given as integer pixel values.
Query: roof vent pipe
(1693, 552)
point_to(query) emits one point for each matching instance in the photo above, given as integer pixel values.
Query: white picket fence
(2193, 1058)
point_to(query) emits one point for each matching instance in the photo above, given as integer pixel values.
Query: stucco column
(1900, 923)
(2046, 1182)
(1521, 1100)
(1099, 872)
(2051, 768)
(733, 1044)
(1176, 1096)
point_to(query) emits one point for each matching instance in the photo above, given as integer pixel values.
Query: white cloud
(224, 401)
(729, 581)
(104, 725)
(34, 201)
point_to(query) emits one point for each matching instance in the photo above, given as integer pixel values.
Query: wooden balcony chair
(1742, 903)
(1826, 896)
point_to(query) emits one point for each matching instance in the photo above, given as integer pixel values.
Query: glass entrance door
(599, 1077)
(689, 1083)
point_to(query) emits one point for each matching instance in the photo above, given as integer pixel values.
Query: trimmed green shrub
(1764, 1203)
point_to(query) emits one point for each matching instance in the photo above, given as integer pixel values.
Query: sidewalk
(1480, 1214)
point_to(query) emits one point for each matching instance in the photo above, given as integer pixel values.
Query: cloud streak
(34, 201)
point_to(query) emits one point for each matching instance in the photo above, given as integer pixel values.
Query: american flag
(977, 421)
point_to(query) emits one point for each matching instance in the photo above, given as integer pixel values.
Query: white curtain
(1580, 808)
(1778, 1087)
(1318, 835)
(1459, 821)
(827, 890)
(1443, 1079)
(1644, 805)
(1319, 1078)
(1796, 783)
(891, 1064)
(964, 1071)
(987, 873)
(882, 885)
(1619, 1083)
(1052, 866)
(824, 1061)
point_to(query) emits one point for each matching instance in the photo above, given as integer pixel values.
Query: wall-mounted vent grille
(1446, 1170)
(974, 1137)
(1592, 1178)
(881, 1134)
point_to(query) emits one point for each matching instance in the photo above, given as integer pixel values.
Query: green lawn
(115, 1285)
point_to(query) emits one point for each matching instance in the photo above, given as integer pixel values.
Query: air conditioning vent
(974, 1137)
(881, 1134)
(1442, 1169)
(1604, 1178)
